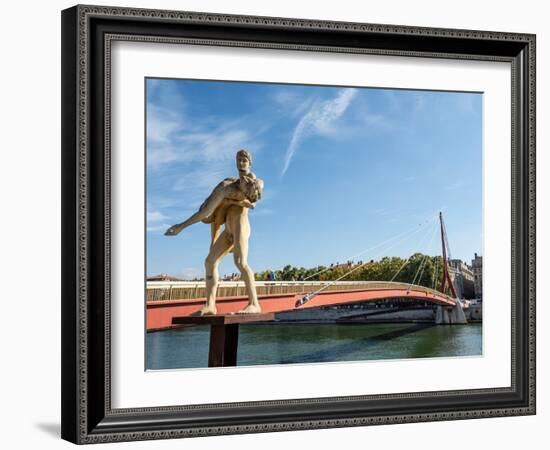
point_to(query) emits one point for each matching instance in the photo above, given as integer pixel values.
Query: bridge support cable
(422, 265)
(409, 258)
(445, 237)
(311, 295)
(409, 233)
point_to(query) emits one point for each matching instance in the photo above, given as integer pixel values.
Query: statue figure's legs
(221, 247)
(205, 211)
(241, 235)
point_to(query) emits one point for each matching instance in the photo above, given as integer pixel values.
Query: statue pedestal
(224, 334)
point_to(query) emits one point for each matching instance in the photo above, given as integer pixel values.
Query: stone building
(462, 277)
(477, 268)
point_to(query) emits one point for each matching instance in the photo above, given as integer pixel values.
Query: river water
(309, 343)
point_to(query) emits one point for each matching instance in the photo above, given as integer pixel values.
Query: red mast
(446, 276)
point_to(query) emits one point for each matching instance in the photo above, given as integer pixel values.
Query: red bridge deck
(161, 312)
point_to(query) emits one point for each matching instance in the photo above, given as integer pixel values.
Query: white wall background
(30, 228)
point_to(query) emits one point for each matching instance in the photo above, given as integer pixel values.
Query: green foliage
(424, 270)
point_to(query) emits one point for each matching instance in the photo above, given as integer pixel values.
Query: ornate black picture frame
(87, 34)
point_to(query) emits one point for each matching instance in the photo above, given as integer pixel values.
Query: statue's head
(252, 188)
(244, 160)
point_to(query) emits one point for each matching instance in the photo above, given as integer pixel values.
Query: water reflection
(307, 343)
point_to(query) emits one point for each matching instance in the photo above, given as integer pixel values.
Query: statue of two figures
(227, 206)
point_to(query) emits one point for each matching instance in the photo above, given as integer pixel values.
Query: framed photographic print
(267, 222)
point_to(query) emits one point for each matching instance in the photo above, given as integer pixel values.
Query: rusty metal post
(224, 341)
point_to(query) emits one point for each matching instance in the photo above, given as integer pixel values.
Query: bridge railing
(186, 290)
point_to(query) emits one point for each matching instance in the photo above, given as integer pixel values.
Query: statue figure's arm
(245, 203)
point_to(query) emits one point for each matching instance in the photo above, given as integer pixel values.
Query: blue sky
(344, 169)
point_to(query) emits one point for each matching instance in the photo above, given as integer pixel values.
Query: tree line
(424, 269)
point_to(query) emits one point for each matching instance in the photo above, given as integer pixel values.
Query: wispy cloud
(155, 216)
(175, 135)
(291, 102)
(192, 153)
(171, 139)
(320, 119)
(158, 228)
(215, 144)
(194, 186)
(156, 221)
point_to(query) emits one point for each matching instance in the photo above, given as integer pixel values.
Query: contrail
(318, 120)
